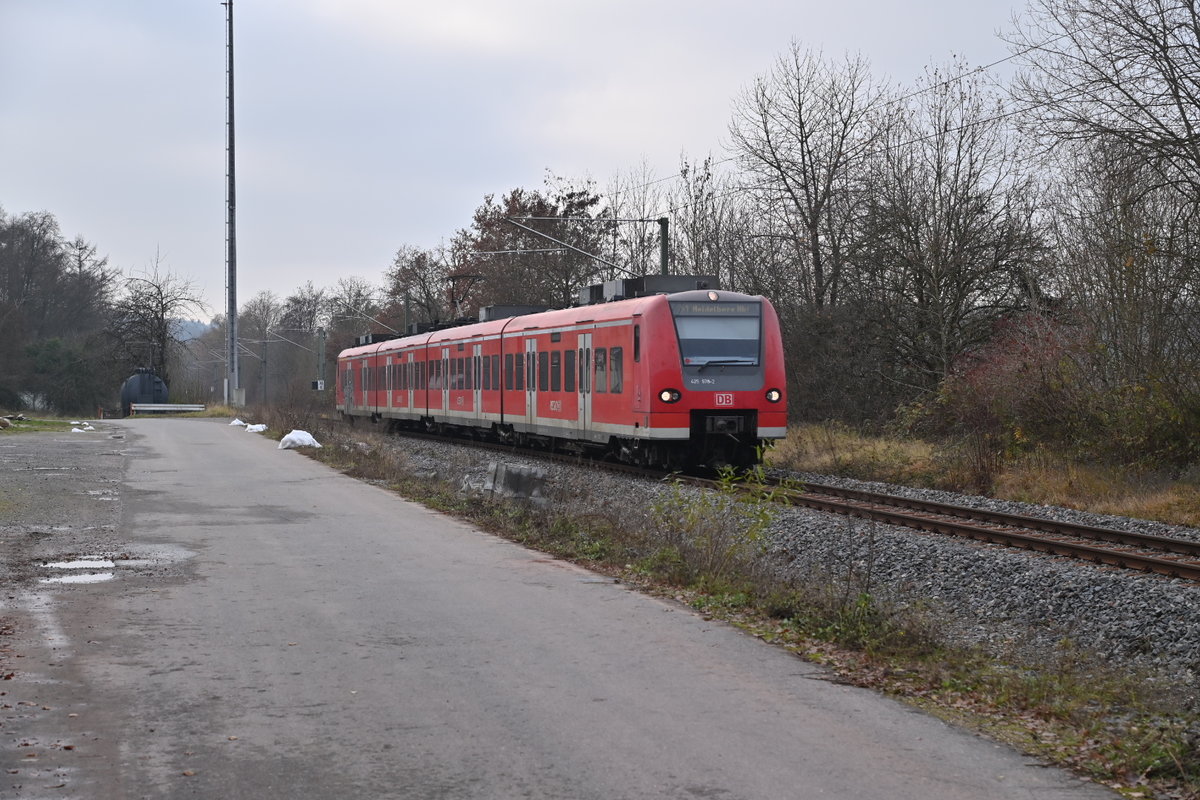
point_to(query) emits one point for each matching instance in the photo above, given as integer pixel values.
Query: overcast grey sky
(364, 125)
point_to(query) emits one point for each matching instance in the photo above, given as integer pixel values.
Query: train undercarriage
(724, 439)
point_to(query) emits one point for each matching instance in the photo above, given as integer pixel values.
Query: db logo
(723, 399)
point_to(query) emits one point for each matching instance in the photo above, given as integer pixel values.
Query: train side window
(568, 370)
(487, 376)
(508, 371)
(519, 372)
(556, 371)
(616, 369)
(472, 369)
(543, 371)
(531, 372)
(637, 342)
(496, 371)
(601, 356)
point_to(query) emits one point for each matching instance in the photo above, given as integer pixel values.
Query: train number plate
(723, 398)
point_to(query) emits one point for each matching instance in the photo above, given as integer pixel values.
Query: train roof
(597, 312)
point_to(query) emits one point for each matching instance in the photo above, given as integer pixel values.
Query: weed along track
(1178, 558)
(1162, 555)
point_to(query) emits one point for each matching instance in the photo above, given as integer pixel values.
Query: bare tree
(635, 194)
(1123, 71)
(354, 308)
(257, 321)
(799, 133)
(949, 243)
(145, 317)
(416, 282)
(515, 264)
(306, 309)
(1128, 256)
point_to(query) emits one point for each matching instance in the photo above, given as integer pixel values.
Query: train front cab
(730, 366)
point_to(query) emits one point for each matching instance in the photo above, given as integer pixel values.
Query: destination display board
(702, 309)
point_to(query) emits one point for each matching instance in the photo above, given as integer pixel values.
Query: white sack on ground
(297, 439)
(237, 421)
(255, 428)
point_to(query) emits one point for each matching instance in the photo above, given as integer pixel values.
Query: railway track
(1178, 558)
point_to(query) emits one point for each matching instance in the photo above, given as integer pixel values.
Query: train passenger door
(410, 379)
(477, 381)
(531, 382)
(446, 381)
(348, 398)
(583, 386)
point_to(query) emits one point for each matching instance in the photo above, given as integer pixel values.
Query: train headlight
(669, 395)
(774, 395)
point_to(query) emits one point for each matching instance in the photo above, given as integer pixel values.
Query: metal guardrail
(164, 408)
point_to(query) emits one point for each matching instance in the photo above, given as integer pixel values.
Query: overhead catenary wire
(891, 102)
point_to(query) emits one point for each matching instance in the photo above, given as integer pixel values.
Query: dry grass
(836, 449)
(1104, 489)
(1040, 477)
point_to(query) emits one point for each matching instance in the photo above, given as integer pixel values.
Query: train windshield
(718, 332)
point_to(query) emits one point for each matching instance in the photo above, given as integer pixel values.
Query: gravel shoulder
(60, 497)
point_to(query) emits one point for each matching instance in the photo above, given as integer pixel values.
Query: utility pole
(321, 356)
(662, 243)
(233, 380)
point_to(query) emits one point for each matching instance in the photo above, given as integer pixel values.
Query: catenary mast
(232, 373)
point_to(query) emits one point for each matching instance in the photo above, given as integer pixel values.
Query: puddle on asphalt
(76, 575)
(96, 569)
(87, 577)
(83, 563)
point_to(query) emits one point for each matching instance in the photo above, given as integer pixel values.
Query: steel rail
(1037, 540)
(1130, 538)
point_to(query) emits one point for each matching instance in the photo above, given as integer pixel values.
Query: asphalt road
(277, 630)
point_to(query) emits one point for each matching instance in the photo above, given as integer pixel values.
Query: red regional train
(666, 377)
